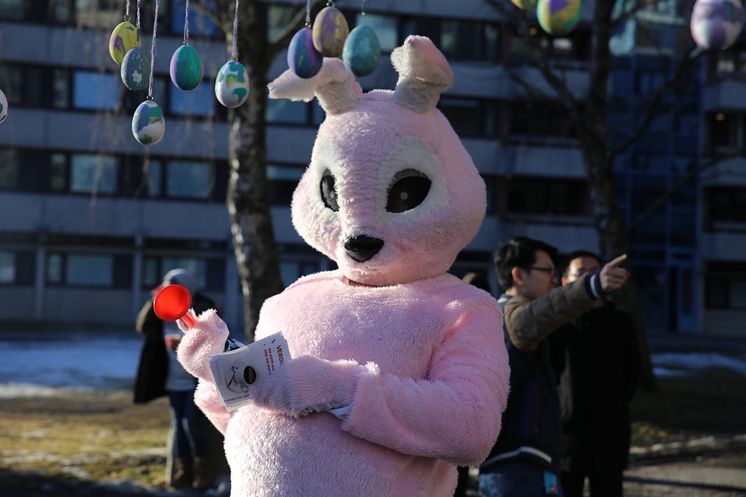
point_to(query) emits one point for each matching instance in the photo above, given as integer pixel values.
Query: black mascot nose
(363, 247)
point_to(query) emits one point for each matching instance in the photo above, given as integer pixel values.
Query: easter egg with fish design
(148, 125)
(232, 84)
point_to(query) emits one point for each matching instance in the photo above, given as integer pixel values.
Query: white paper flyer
(235, 371)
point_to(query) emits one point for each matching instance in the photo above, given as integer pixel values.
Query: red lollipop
(173, 303)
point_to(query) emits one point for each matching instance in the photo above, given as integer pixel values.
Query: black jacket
(531, 421)
(598, 362)
(150, 382)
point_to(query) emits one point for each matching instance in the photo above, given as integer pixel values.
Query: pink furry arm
(307, 384)
(207, 399)
(453, 414)
(206, 339)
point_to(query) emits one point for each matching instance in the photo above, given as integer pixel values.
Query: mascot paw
(206, 339)
(307, 384)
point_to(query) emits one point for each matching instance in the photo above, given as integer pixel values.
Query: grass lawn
(102, 436)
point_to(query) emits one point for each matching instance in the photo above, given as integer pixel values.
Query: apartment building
(89, 219)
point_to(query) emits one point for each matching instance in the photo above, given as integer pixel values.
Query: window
(7, 267)
(278, 18)
(540, 120)
(154, 171)
(104, 14)
(11, 10)
(89, 270)
(209, 272)
(58, 172)
(9, 169)
(189, 179)
(54, 269)
(725, 286)
(528, 195)
(287, 112)
(385, 27)
(292, 270)
(96, 91)
(60, 88)
(726, 205)
(282, 183)
(461, 40)
(723, 130)
(199, 24)
(470, 117)
(93, 174)
(196, 102)
(11, 82)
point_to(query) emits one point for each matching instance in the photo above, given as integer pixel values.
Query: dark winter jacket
(150, 382)
(598, 364)
(531, 424)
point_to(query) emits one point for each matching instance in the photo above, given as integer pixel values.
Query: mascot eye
(328, 192)
(408, 190)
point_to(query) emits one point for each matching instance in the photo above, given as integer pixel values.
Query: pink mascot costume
(399, 371)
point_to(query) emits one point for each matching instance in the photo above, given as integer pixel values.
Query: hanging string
(127, 11)
(138, 14)
(152, 51)
(234, 51)
(362, 9)
(186, 23)
(308, 13)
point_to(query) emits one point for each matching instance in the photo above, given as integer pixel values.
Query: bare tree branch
(531, 91)
(690, 175)
(653, 108)
(217, 14)
(519, 17)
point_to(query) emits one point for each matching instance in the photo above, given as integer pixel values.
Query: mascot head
(390, 194)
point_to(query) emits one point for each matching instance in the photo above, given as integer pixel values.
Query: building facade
(90, 220)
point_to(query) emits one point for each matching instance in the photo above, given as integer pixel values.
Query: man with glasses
(598, 374)
(525, 461)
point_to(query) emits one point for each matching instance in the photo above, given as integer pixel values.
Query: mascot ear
(334, 86)
(423, 71)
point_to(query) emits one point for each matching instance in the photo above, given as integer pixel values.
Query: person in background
(160, 374)
(525, 460)
(598, 366)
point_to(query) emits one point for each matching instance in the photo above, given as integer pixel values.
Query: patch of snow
(697, 361)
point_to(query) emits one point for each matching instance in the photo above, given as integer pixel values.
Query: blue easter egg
(362, 51)
(135, 70)
(303, 58)
(186, 68)
(148, 125)
(232, 84)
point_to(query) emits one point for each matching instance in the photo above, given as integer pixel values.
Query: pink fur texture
(413, 357)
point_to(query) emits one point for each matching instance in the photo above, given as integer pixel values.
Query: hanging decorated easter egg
(303, 58)
(525, 4)
(135, 70)
(716, 24)
(148, 124)
(124, 37)
(186, 68)
(362, 51)
(330, 31)
(3, 106)
(232, 84)
(558, 17)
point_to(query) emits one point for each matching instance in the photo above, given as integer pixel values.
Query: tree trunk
(248, 206)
